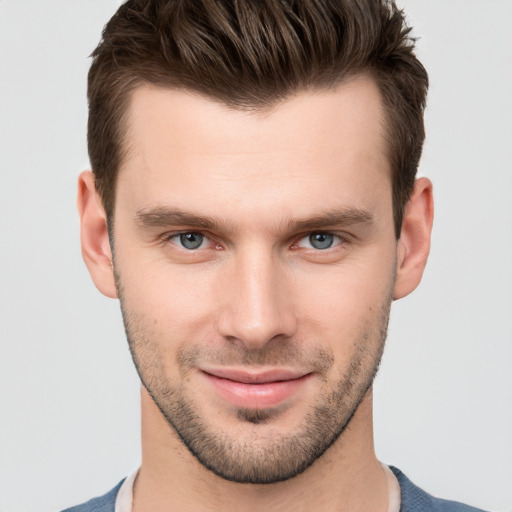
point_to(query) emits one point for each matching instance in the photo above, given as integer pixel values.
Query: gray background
(69, 424)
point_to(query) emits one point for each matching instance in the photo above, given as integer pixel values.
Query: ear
(414, 243)
(94, 236)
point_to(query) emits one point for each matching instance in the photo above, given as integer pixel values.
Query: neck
(346, 477)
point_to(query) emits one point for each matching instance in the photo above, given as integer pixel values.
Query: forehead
(182, 145)
(351, 110)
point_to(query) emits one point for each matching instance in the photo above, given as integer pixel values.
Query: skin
(257, 295)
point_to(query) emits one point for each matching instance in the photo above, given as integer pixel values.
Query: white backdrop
(69, 418)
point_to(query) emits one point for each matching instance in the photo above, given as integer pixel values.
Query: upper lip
(255, 377)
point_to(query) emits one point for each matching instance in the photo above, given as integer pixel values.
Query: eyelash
(343, 239)
(167, 238)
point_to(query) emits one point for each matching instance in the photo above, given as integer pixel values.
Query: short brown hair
(252, 54)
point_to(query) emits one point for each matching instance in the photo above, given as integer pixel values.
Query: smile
(255, 390)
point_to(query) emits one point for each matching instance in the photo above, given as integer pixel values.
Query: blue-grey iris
(191, 240)
(321, 240)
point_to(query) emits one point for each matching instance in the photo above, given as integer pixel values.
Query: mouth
(255, 390)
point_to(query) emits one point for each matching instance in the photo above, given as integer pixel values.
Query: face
(255, 258)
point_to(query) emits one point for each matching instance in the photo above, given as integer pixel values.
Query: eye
(320, 240)
(189, 241)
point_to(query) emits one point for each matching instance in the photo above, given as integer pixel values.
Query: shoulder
(105, 503)
(415, 499)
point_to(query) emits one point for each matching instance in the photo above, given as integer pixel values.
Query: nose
(256, 305)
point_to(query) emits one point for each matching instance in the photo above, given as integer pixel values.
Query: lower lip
(256, 396)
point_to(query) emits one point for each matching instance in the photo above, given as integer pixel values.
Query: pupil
(191, 240)
(321, 240)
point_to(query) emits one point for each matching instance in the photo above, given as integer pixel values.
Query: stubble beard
(268, 456)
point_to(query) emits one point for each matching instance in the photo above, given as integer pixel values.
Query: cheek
(343, 303)
(172, 304)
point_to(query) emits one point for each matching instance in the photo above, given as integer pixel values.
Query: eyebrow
(342, 217)
(160, 217)
(163, 217)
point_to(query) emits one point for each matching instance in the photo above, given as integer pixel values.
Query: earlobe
(414, 243)
(94, 236)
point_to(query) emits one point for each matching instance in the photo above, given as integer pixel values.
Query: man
(254, 207)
